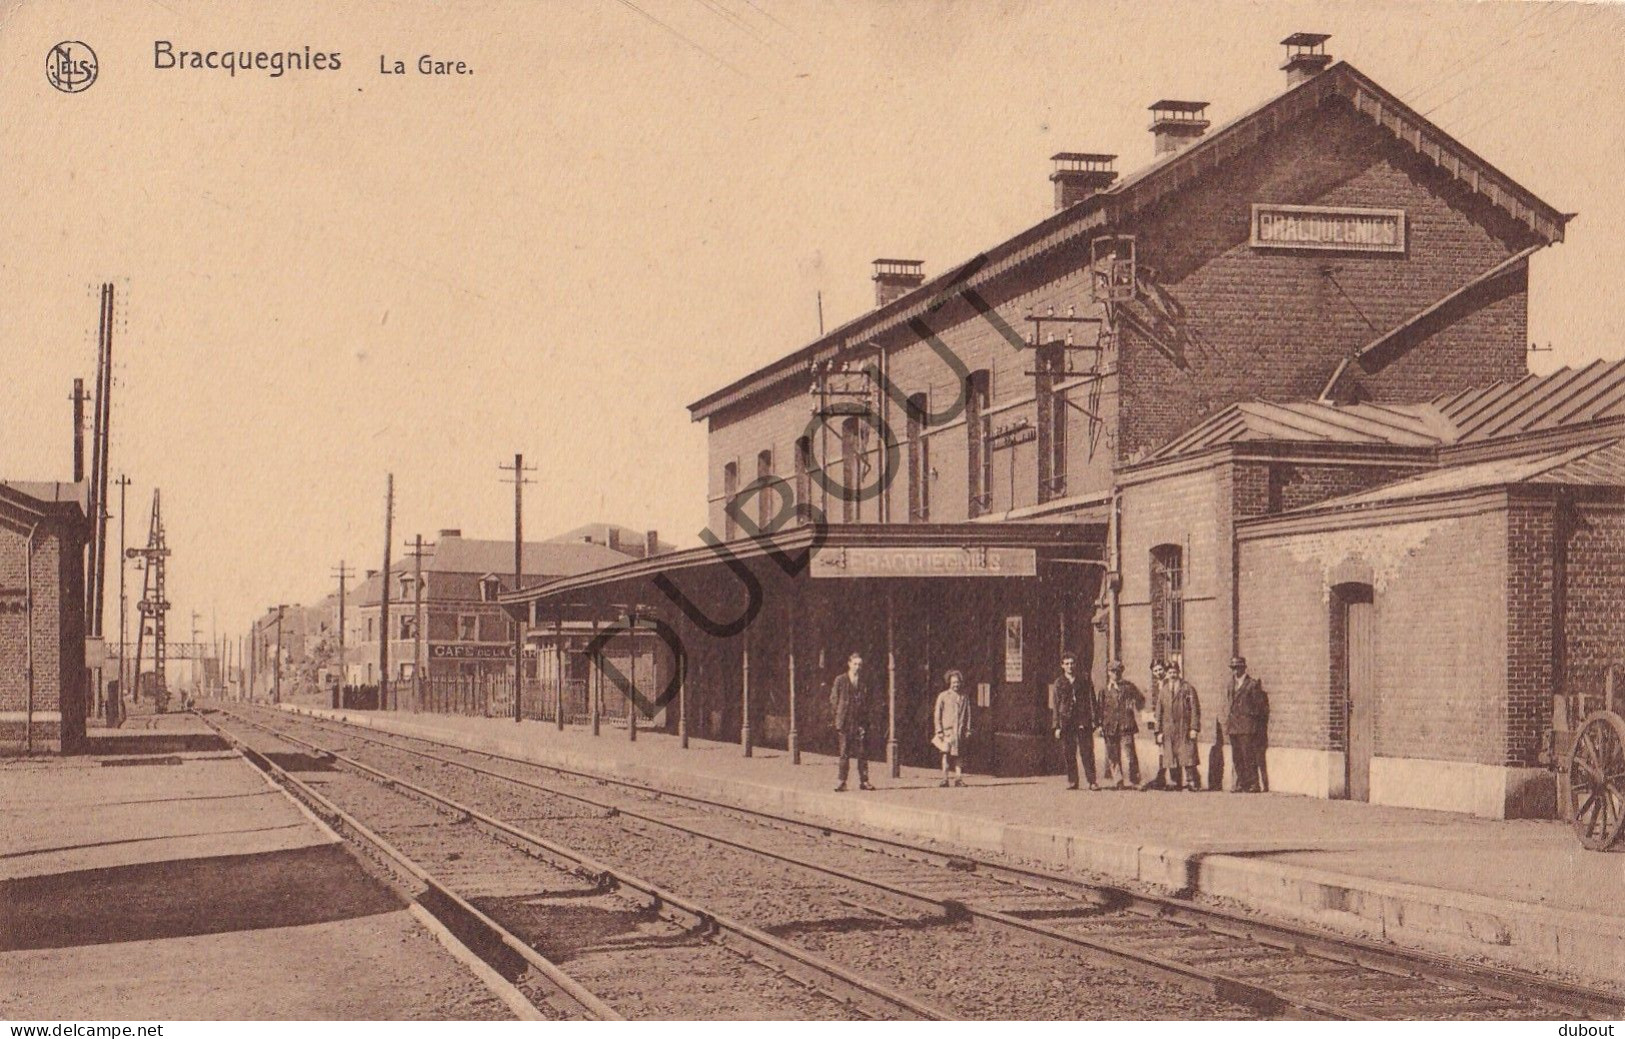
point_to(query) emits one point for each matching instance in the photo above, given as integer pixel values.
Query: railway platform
(159, 876)
(1518, 892)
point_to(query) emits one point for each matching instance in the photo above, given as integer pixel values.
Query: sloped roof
(1116, 204)
(1589, 465)
(632, 541)
(1401, 425)
(1566, 397)
(540, 559)
(53, 491)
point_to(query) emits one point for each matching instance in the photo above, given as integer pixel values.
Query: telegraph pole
(123, 601)
(519, 470)
(342, 573)
(417, 548)
(196, 662)
(383, 597)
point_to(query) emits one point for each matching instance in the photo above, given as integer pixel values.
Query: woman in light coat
(952, 720)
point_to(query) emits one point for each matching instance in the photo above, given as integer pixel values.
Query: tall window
(766, 500)
(978, 432)
(730, 489)
(1167, 602)
(468, 627)
(1051, 408)
(851, 468)
(919, 462)
(804, 479)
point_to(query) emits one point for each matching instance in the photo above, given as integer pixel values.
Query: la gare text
(427, 65)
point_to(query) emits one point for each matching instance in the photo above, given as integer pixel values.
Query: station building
(1102, 435)
(43, 681)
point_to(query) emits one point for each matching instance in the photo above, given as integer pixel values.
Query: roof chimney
(1176, 124)
(451, 532)
(1080, 174)
(651, 544)
(894, 278)
(612, 539)
(1306, 56)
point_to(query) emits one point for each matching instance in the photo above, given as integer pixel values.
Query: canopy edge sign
(926, 561)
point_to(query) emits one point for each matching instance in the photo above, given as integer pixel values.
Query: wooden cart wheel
(1597, 780)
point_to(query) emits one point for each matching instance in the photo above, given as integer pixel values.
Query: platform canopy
(833, 555)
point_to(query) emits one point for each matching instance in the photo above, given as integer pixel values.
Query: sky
(329, 276)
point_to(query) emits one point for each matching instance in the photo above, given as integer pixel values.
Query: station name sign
(1340, 228)
(925, 561)
(468, 651)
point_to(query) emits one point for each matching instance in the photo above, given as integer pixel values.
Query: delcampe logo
(71, 66)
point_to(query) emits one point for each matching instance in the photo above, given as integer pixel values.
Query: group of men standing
(1078, 711)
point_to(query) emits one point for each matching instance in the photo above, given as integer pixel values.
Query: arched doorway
(1354, 682)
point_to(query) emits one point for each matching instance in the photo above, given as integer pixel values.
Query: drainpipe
(28, 639)
(1114, 576)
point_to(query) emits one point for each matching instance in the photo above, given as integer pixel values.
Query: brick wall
(1441, 633)
(58, 638)
(1190, 510)
(1528, 594)
(774, 421)
(1594, 623)
(1294, 486)
(1254, 323)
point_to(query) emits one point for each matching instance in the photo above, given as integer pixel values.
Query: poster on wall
(1012, 649)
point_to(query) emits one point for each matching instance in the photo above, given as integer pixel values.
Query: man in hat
(1120, 704)
(1074, 721)
(1159, 674)
(1249, 726)
(853, 703)
(1179, 721)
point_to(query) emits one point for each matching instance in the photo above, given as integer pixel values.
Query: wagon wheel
(1597, 780)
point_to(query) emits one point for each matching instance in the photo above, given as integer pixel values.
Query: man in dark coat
(1074, 721)
(1249, 726)
(1120, 704)
(852, 702)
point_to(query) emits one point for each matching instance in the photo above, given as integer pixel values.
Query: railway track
(1274, 969)
(522, 903)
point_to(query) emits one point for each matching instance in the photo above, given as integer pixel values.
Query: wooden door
(1361, 657)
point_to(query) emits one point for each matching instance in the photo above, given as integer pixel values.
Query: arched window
(1167, 602)
(978, 433)
(1050, 369)
(730, 490)
(919, 462)
(804, 479)
(766, 498)
(851, 468)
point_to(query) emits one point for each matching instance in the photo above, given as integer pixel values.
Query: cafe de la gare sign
(925, 561)
(1341, 228)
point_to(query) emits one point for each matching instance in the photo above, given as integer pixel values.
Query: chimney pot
(651, 544)
(1079, 175)
(896, 278)
(1175, 125)
(1306, 56)
(614, 539)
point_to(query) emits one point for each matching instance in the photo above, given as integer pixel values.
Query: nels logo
(70, 66)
